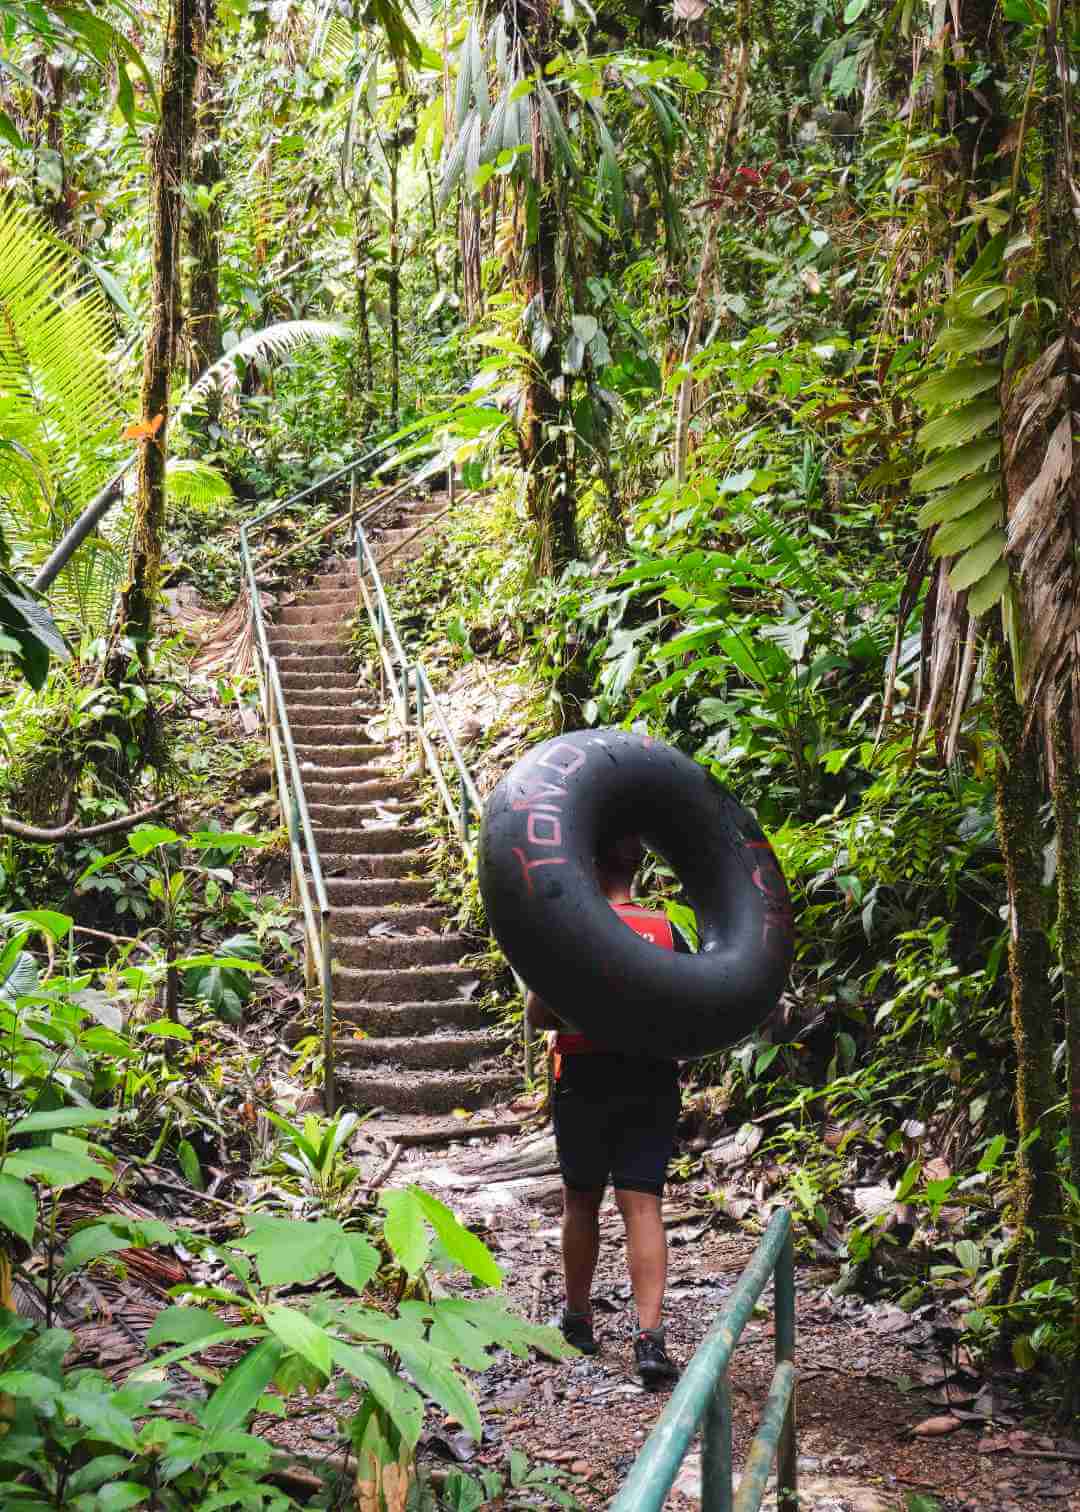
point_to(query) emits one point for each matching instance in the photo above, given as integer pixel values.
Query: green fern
(272, 342)
(59, 411)
(196, 483)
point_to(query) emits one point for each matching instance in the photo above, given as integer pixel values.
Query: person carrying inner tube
(615, 1117)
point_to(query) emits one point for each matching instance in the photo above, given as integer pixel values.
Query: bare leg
(646, 1244)
(580, 1246)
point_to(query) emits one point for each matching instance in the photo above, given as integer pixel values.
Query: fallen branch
(70, 832)
(114, 939)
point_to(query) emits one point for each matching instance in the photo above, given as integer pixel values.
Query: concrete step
(328, 734)
(412, 1018)
(290, 643)
(316, 773)
(329, 713)
(374, 891)
(343, 867)
(381, 839)
(333, 598)
(426, 1092)
(311, 682)
(323, 662)
(382, 785)
(298, 615)
(394, 952)
(354, 922)
(309, 632)
(433, 1051)
(331, 703)
(316, 754)
(333, 817)
(379, 783)
(424, 984)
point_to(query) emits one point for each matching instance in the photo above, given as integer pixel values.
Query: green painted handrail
(702, 1400)
(401, 675)
(303, 848)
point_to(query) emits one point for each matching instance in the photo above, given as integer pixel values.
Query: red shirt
(652, 926)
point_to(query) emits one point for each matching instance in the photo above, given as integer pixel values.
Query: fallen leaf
(934, 1427)
(142, 430)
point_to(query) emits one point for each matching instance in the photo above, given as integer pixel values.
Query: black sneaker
(654, 1365)
(576, 1329)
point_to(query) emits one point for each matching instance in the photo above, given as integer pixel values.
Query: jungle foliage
(753, 334)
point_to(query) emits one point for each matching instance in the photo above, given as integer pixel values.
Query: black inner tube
(538, 843)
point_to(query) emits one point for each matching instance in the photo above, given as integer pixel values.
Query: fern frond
(273, 342)
(196, 483)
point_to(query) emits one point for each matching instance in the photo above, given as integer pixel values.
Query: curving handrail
(312, 898)
(400, 676)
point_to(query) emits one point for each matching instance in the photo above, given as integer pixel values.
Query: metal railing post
(716, 1481)
(787, 1499)
(421, 757)
(464, 809)
(329, 1083)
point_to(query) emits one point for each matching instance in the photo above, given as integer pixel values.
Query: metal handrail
(312, 899)
(400, 675)
(702, 1399)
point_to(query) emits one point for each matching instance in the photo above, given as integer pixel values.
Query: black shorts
(615, 1119)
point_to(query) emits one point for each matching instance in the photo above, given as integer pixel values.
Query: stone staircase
(409, 1037)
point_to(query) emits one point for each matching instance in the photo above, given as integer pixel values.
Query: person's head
(618, 859)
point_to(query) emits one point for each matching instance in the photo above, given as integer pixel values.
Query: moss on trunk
(169, 160)
(1019, 799)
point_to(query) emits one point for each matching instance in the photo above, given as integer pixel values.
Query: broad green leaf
(436, 1378)
(18, 1207)
(189, 1164)
(96, 1412)
(957, 384)
(91, 1244)
(977, 562)
(962, 533)
(242, 1387)
(959, 425)
(963, 336)
(183, 1325)
(289, 1251)
(55, 925)
(300, 1334)
(985, 594)
(58, 1167)
(461, 1245)
(957, 501)
(955, 465)
(356, 1261)
(144, 837)
(196, 1346)
(122, 1494)
(63, 1118)
(405, 1230)
(403, 1405)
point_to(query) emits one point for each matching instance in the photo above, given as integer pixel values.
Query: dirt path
(868, 1374)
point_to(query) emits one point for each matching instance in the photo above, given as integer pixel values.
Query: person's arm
(538, 1015)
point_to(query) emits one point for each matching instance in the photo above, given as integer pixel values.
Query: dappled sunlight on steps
(409, 1037)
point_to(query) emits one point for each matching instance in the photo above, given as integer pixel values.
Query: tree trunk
(169, 161)
(51, 181)
(550, 496)
(394, 277)
(1019, 799)
(204, 225)
(696, 315)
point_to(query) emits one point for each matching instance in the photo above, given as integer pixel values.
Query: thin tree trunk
(49, 106)
(550, 498)
(696, 315)
(169, 161)
(1019, 799)
(394, 272)
(204, 226)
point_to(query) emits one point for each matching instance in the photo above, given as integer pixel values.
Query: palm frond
(271, 343)
(196, 483)
(59, 409)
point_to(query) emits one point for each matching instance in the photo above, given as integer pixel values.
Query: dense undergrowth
(750, 334)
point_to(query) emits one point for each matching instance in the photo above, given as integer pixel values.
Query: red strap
(651, 926)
